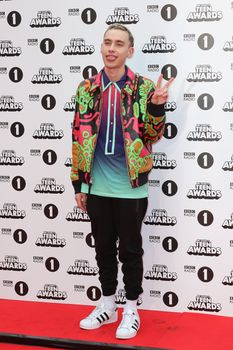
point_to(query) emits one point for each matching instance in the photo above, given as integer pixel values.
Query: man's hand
(161, 93)
(81, 200)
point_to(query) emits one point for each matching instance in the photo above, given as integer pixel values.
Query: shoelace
(128, 319)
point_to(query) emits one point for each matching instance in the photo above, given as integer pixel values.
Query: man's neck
(115, 74)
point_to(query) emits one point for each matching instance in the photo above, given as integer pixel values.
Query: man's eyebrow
(117, 41)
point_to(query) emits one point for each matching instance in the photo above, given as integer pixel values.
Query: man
(119, 114)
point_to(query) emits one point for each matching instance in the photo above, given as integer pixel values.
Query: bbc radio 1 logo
(203, 190)
(70, 105)
(204, 303)
(48, 131)
(228, 46)
(49, 185)
(122, 15)
(10, 211)
(50, 239)
(158, 44)
(160, 161)
(45, 19)
(228, 106)
(228, 223)
(204, 132)
(51, 292)
(7, 49)
(160, 273)
(77, 215)
(9, 157)
(203, 247)
(78, 46)
(8, 104)
(12, 263)
(120, 298)
(46, 76)
(228, 165)
(228, 280)
(160, 217)
(82, 267)
(204, 73)
(204, 13)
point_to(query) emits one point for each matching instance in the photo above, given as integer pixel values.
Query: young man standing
(119, 115)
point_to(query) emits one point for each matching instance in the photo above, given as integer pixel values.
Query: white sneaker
(98, 317)
(129, 325)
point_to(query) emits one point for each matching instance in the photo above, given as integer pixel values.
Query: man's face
(115, 48)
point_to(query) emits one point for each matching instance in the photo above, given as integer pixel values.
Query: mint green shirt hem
(133, 193)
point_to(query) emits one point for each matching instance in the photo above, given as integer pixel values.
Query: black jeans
(116, 227)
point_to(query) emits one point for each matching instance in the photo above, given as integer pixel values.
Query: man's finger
(169, 82)
(159, 82)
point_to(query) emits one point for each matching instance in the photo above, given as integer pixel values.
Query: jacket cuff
(156, 110)
(77, 186)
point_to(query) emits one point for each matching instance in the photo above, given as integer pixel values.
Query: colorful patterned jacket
(142, 124)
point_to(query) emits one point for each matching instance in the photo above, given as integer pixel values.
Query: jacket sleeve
(154, 124)
(75, 130)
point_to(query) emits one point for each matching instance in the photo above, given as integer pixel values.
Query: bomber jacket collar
(127, 88)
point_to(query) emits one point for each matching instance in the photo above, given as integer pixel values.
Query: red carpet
(164, 330)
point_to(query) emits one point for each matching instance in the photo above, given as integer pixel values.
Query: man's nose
(112, 47)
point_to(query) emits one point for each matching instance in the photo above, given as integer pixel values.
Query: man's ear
(130, 52)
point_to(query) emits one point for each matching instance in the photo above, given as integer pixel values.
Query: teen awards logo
(160, 217)
(228, 46)
(51, 291)
(160, 273)
(82, 267)
(45, 19)
(228, 106)
(120, 298)
(12, 263)
(204, 132)
(122, 15)
(48, 131)
(158, 44)
(170, 106)
(204, 73)
(49, 185)
(204, 13)
(9, 157)
(228, 280)
(68, 162)
(228, 165)
(204, 247)
(46, 76)
(10, 211)
(204, 303)
(8, 104)
(228, 223)
(160, 161)
(78, 46)
(50, 239)
(70, 105)
(7, 49)
(77, 215)
(203, 190)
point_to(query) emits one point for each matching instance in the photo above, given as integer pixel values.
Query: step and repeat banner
(47, 249)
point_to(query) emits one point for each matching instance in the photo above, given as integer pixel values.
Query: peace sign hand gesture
(160, 95)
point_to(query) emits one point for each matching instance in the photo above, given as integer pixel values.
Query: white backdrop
(46, 244)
